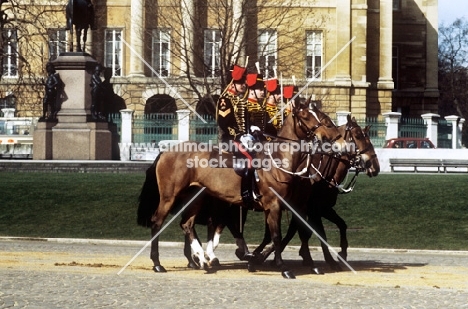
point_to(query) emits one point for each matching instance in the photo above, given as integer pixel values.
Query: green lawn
(391, 211)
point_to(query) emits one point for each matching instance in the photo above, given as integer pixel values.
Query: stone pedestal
(75, 136)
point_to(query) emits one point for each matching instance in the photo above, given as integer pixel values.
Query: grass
(412, 211)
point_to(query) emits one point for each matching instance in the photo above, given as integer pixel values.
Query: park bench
(441, 164)
(415, 163)
(454, 163)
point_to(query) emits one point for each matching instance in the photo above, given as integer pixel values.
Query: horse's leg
(234, 219)
(188, 225)
(71, 37)
(273, 218)
(78, 39)
(317, 225)
(85, 37)
(213, 236)
(333, 217)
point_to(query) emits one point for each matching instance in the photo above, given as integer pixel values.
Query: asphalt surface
(67, 273)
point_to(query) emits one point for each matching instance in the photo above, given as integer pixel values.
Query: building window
(267, 52)
(10, 53)
(161, 52)
(211, 52)
(57, 42)
(314, 54)
(113, 51)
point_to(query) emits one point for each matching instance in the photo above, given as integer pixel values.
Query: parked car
(409, 142)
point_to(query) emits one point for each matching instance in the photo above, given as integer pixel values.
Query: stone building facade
(367, 57)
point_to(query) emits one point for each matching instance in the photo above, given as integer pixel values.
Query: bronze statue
(53, 87)
(97, 94)
(112, 103)
(79, 13)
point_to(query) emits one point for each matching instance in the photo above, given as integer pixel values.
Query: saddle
(242, 164)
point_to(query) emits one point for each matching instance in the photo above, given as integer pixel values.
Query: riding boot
(254, 189)
(246, 189)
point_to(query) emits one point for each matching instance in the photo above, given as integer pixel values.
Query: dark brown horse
(324, 195)
(223, 183)
(79, 13)
(217, 218)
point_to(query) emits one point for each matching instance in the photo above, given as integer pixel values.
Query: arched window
(160, 103)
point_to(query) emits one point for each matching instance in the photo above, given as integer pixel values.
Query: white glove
(247, 141)
(254, 128)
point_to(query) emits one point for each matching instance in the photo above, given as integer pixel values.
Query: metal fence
(377, 131)
(117, 120)
(153, 128)
(444, 134)
(203, 132)
(412, 127)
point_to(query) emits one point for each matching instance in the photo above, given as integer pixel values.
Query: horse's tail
(149, 196)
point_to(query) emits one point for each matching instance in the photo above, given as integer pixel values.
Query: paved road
(83, 274)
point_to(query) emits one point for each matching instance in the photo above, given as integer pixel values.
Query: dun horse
(224, 183)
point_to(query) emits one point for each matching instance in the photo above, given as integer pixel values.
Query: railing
(377, 131)
(412, 127)
(153, 128)
(444, 134)
(117, 120)
(203, 132)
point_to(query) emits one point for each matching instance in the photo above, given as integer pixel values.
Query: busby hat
(272, 86)
(255, 81)
(237, 74)
(288, 91)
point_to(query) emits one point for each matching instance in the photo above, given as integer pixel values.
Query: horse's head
(314, 125)
(364, 157)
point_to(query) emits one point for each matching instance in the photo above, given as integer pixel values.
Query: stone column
(136, 38)
(343, 35)
(342, 117)
(183, 117)
(460, 129)
(188, 8)
(126, 134)
(237, 19)
(455, 135)
(432, 66)
(392, 120)
(8, 112)
(431, 121)
(386, 40)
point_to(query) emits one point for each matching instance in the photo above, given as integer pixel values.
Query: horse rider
(235, 123)
(273, 106)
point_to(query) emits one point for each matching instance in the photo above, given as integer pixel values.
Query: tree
(453, 71)
(208, 37)
(24, 33)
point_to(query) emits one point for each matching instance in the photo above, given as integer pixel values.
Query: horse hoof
(287, 274)
(316, 271)
(192, 265)
(215, 262)
(343, 255)
(159, 269)
(251, 268)
(240, 254)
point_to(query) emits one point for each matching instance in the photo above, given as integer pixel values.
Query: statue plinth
(75, 136)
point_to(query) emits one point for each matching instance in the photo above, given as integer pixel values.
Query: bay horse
(79, 13)
(172, 175)
(324, 195)
(216, 218)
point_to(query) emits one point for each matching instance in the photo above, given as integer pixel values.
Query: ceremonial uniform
(231, 109)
